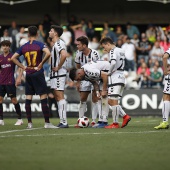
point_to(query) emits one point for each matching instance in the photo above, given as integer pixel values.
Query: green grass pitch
(136, 147)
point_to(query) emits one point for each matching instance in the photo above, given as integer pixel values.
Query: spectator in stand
(143, 73)
(41, 33)
(167, 33)
(108, 33)
(90, 30)
(144, 48)
(119, 43)
(47, 22)
(78, 32)
(155, 78)
(160, 69)
(135, 40)
(165, 44)
(124, 37)
(84, 25)
(6, 36)
(119, 31)
(94, 43)
(130, 55)
(67, 37)
(131, 30)
(72, 20)
(13, 30)
(151, 33)
(69, 66)
(156, 52)
(20, 35)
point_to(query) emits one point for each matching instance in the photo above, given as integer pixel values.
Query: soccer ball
(83, 122)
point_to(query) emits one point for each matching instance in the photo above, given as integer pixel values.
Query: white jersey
(55, 59)
(168, 51)
(118, 55)
(83, 59)
(166, 89)
(93, 69)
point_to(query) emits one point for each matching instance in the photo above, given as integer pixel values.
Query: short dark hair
(106, 40)
(57, 29)
(6, 43)
(32, 30)
(83, 40)
(72, 74)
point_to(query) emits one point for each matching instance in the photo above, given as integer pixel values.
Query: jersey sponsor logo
(122, 54)
(6, 65)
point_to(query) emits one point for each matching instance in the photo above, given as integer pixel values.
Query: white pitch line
(11, 131)
(74, 134)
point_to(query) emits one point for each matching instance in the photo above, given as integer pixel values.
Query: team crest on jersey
(58, 44)
(9, 59)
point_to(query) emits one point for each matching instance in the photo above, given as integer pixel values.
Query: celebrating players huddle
(105, 80)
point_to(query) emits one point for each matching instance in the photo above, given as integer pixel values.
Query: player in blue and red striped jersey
(7, 81)
(35, 81)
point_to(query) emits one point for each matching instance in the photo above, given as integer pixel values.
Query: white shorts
(116, 84)
(85, 86)
(58, 83)
(166, 84)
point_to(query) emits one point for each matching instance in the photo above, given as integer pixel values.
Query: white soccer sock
(165, 110)
(121, 111)
(82, 109)
(115, 113)
(105, 109)
(100, 111)
(94, 111)
(62, 111)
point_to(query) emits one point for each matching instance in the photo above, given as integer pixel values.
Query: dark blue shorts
(35, 84)
(10, 90)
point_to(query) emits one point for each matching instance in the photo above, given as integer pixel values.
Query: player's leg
(83, 102)
(95, 108)
(28, 102)
(58, 84)
(11, 92)
(2, 94)
(38, 86)
(85, 90)
(62, 108)
(165, 112)
(115, 93)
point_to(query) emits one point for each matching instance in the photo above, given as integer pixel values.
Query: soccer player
(83, 56)
(95, 72)
(58, 72)
(35, 81)
(7, 81)
(116, 81)
(166, 92)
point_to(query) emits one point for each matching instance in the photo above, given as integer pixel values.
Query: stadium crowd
(143, 49)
